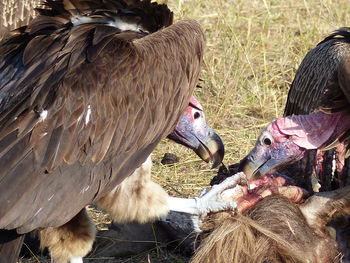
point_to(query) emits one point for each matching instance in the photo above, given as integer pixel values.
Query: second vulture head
(285, 140)
(193, 132)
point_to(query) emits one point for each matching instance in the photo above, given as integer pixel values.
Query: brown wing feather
(321, 82)
(103, 117)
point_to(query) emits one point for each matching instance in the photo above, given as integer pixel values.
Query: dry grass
(253, 50)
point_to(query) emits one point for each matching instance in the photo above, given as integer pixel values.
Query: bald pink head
(193, 132)
(314, 130)
(194, 103)
(285, 140)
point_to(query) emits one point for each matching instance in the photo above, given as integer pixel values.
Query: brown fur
(275, 230)
(137, 198)
(321, 208)
(73, 239)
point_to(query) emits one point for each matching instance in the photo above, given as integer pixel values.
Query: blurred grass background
(253, 50)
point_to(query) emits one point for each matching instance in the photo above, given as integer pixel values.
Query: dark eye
(267, 141)
(196, 115)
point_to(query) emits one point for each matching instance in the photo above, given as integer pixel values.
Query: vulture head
(193, 132)
(285, 140)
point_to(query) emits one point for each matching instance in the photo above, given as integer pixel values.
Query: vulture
(317, 112)
(87, 90)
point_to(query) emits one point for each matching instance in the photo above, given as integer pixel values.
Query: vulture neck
(318, 130)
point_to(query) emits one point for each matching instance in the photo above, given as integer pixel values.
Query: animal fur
(137, 198)
(276, 230)
(323, 207)
(73, 239)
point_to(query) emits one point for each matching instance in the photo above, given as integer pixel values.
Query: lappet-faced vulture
(87, 90)
(320, 94)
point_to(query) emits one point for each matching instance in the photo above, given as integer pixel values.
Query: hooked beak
(193, 132)
(255, 165)
(253, 169)
(208, 145)
(272, 151)
(211, 149)
(258, 163)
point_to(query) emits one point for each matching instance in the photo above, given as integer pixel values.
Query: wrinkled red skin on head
(284, 142)
(281, 152)
(195, 103)
(188, 116)
(315, 130)
(188, 120)
(291, 137)
(193, 132)
(276, 133)
(189, 126)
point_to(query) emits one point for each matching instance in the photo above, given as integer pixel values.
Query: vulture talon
(209, 202)
(209, 206)
(212, 201)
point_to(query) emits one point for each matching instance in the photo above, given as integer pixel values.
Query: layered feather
(83, 104)
(316, 84)
(322, 83)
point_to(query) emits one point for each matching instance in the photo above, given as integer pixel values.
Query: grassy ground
(253, 50)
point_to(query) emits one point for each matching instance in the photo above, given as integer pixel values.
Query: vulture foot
(212, 201)
(209, 202)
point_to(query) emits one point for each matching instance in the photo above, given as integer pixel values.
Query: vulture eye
(267, 141)
(196, 115)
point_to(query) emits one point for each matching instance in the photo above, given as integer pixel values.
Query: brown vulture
(320, 99)
(87, 90)
(315, 129)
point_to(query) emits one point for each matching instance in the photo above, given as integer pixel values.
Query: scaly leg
(211, 201)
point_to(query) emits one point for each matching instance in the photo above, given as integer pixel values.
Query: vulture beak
(193, 132)
(270, 154)
(210, 148)
(254, 166)
(205, 143)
